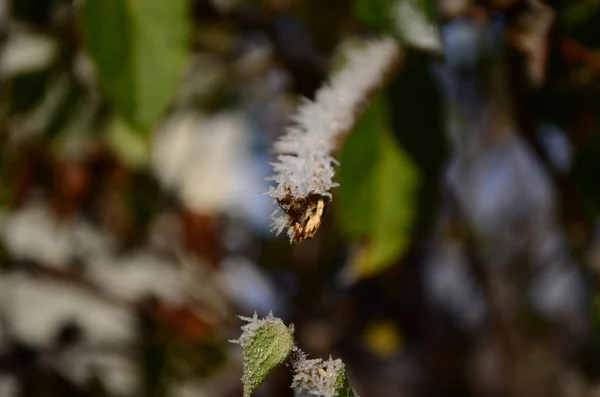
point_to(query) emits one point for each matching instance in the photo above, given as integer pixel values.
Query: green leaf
(356, 175)
(131, 148)
(375, 13)
(342, 386)
(579, 12)
(266, 344)
(412, 21)
(378, 188)
(139, 48)
(418, 121)
(396, 186)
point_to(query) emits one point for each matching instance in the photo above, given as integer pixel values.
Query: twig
(305, 166)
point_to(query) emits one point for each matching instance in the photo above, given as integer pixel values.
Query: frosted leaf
(321, 378)
(266, 343)
(305, 165)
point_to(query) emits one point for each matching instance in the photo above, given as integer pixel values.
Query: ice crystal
(319, 377)
(305, 164)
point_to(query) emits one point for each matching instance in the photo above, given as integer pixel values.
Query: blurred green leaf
(394, 212)
(418, 121)
(579, 12)
(131, 148)
(378, 187)
(139, 48)
(375, 13)
(358, 162)
(413, 21)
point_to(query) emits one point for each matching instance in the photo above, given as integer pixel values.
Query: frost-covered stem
(304, 168)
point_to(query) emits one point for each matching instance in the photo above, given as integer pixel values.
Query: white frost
(305, 163)
(254, 323)
(317, 377)
(415, 28)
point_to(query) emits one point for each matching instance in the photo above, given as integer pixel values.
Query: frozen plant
(267, 343)
(320, 378)
(304, 168)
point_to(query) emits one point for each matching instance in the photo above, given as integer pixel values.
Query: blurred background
(459, 256)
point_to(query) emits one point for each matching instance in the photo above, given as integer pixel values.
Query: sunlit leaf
(131, 148)
(378, 187)
(358, 162)
(139, 49)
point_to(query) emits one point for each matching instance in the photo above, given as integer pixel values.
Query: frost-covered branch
(304, 168)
